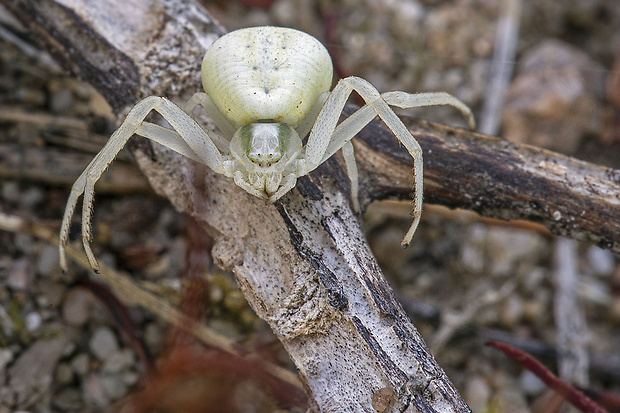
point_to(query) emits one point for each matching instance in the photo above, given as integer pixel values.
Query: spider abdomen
(266, 73)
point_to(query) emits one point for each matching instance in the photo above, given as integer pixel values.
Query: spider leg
(325, 132)
(167, 138)
(202, 99)
(348, 128)
(194, 142)
(408, 100)
(376, 104)
(351, 126)
(351, 165)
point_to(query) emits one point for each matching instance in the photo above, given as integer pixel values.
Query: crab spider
(266, 88)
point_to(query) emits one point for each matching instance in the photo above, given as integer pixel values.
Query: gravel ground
(464, 279)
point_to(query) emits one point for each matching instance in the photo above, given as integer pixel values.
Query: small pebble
(93, 391)
(51, 292)
(25, 244)
(21, 275)
(533, 309)
(64, 373)
(158, 268)
(285, 12)
(601, 262)
(31, 375)
(47, 260)
(154, 336)
(118, 361)
(477, 393)
(113, 387)
(30, 96)
(31, 197)
(511, 310)
(509, 400)
(614, 310)
(472, 258)
(555, 98)
(534, 279)
(10, 191)
(33, 321)
(103, 343)
(216, 293)
(596, 291)
(226, 328)
(507, 247)
(76, 307)
(472, 252)
(531, 384)
(81, 364)
(130, 378)
(69, 349)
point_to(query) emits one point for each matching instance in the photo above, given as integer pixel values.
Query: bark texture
(497, 179)
(304, 264)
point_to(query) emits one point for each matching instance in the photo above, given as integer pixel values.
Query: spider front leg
(189, 140)
(326, 139)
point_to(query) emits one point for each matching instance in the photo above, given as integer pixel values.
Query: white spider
(266, 89)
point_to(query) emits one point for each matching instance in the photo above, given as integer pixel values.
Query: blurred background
(541, 72)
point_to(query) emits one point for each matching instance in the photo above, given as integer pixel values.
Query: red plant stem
(568, 392)
(608, 400)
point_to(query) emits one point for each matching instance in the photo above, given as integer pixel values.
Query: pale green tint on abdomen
(249, 79)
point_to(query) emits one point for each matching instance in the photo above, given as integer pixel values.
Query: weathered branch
(497, 179)
(304, 264)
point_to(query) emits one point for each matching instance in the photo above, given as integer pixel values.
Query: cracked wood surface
(304, 264)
